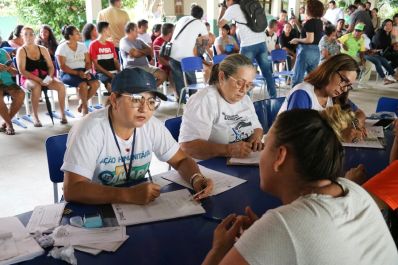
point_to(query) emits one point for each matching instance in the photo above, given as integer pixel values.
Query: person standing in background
(117, 19)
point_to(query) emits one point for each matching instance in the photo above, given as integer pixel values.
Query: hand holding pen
(202, 186)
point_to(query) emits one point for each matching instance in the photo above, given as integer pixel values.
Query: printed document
(252, 159)
(45, 217)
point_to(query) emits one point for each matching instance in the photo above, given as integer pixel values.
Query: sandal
(3, 127)
(37, 124)
(388, 82)
(9, 131)
(64, 121)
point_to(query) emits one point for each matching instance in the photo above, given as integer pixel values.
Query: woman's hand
(81, 74)
(225, 235)
(356, 174)
(294, 41)
(248, 219)
(256, 143)
(202, 186)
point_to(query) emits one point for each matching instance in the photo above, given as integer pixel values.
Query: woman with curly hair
(47, 39)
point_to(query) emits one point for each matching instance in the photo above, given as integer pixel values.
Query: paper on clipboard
(252, 159)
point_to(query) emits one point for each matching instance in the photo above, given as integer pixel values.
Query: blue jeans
(308, 57)
(178, 78)
(380, 62)
(260, 53)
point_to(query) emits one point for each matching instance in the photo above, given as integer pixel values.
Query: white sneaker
(391, 78)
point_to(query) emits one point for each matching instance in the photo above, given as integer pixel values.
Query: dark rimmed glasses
(343, 79)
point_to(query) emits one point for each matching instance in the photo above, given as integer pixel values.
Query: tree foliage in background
(126, 3)
(55, 13)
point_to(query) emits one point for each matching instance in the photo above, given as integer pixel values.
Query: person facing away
(324, 219)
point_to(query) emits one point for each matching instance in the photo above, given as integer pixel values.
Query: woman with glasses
(75, 64)
(109, 152)
(220, 120)
(37, 71)
(327, 85)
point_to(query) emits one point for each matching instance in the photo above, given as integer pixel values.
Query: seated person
(271, 38)
(328, 45)
(15, 39)
(111, 148)
(47, 39)
(225, 43)
(75, 64)
(35, 65)
(220, 120)
(103, 55)
(89, 33)
(391, 54)
(284, 41)
(134, 53)
(8, 87)
(328, 84)
(301, 165)
(340, 28)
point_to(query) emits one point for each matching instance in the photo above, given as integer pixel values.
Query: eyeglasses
(241, 83)
(343, 79)
(137, 101)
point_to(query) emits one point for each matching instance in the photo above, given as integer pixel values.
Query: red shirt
(104, 54)
(157, 43)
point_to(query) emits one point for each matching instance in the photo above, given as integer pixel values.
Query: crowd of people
(109, 151)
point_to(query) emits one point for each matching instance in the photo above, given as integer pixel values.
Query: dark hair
(52, 41)
(227, 28)
(157, 28)
(395, 16)
(362, 5)
(310, 138)
(283, 11)
(142, 22)
(329, 29)
(197, 12)
(167, 28)
(67, 31)
(272, 23)
(315, 8)
(340, 19)
(130, 26)
(229, 66)
(16, 32)
(357, 2)
(352, 7)
(86, 31)
(332, 2)
(321, 76)
(207, 24)
(112, 2)
(102, 25)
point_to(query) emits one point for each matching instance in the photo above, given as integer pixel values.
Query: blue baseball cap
(135, 81)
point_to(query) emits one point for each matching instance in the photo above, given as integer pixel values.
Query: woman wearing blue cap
(111, 149)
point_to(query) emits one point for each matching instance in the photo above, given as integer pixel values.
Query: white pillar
(92, 9)
(295, 4)
(212, 15)
(276, 8)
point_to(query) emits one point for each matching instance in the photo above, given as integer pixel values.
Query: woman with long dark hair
(47, 39)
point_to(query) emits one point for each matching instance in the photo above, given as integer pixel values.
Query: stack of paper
(252, 159)
(169, 205)
(371, 140)
(92, 240)
(45, 217)
(16, 245)
(222, 182)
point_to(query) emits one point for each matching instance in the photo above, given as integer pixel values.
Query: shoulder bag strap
(185, 27)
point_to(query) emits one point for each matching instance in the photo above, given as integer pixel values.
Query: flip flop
(3, 127)
(9, 131)
(64, 121)
(37, 124)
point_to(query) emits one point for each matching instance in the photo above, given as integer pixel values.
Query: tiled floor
(24, 180)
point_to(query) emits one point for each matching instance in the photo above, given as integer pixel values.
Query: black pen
(150, 176)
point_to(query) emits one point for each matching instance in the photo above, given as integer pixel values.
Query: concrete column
(295, 4)
(276, 8)
(92, 9)
(212, 15)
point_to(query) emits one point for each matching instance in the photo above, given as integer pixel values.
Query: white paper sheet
(27, 247)
(252, 159)
(222, 182)
(374, 132)
(71, 235)
(169, 205)
(367, 143)
(45, 217)
(96, 248)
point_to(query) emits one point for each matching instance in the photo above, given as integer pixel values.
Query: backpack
(254, 14)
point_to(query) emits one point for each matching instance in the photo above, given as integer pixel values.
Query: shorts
(75, 80)
(103, 78)
(12, 87)
(385, 185)
(35, 73)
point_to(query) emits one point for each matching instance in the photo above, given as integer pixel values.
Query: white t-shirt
(92, 152)
(208, 116)
(184, 44)
(247, 36)
(303, 96)
(73, 59)
(145, 38)
(332, 15)
(320, 229)
(270, 41)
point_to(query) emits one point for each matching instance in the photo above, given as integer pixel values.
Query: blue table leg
(91, 109)
(98, 106)
(69, 113)
(28, 118)
(19, 123)
(55, 115)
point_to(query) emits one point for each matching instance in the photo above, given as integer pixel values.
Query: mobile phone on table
(385, 123)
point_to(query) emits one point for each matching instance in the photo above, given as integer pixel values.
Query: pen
(198, 193)
(150, 176)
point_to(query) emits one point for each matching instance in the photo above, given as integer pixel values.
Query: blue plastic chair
(55, 149)
(120, 60)
(218, 58)
(190, 64)
(387, 104)
(267, 110)
(174, 125)
(280, 55)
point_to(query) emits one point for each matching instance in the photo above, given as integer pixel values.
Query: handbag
(165, 49)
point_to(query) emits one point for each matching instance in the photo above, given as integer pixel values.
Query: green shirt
(5, 77)
(354, 45)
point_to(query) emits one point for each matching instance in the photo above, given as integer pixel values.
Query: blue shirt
(5, 77)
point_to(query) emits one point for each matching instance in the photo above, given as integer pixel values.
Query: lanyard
(118, 147)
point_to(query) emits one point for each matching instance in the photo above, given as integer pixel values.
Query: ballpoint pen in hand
(150, 176)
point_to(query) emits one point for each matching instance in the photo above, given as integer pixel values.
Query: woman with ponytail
(220, 120)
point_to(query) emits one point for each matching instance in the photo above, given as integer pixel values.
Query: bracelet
(191, 180)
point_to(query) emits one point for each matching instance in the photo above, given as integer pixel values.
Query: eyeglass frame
(345, 88)
(244, 84)
(142, 100)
